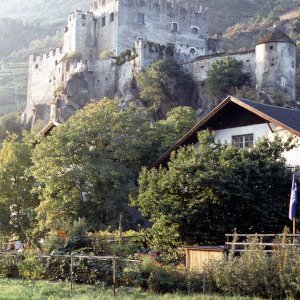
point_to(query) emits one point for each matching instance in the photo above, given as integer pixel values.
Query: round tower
(275, 55)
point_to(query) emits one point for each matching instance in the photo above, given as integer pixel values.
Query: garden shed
(198, 256)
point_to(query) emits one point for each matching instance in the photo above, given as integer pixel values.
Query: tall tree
(90, 164)
(210, 190)
(17, 202)
(224, 76)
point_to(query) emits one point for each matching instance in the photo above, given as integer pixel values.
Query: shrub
(256, 273)
(31, 267)
(4, 270)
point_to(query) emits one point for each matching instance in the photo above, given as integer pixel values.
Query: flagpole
(294, 230)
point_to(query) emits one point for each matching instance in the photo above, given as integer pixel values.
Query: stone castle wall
(276, 69)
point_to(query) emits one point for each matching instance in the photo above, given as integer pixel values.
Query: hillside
(36, 25)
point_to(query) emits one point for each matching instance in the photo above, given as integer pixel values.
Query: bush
(255, 273)
(4, 271)
(31, 267)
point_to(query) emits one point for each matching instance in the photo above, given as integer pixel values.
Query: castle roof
(275, 35)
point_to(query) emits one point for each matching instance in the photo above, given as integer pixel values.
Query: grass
(19, 290)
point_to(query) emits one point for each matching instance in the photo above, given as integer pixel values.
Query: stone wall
(161, 22)
(276, 69)
(42, 79)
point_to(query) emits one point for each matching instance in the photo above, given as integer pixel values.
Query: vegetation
(208, 191)
(224, 76)
(17, 202)
(89, 165)
(11, 289)
(164, 85)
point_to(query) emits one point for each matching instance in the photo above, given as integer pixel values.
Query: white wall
(259, 131)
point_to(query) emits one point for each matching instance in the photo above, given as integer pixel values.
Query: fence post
(72, 270)
(114, 267)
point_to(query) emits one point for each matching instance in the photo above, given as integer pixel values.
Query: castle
(104, 47)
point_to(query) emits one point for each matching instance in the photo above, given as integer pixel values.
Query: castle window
(68, 67)
(56, 62)
(36, 66)
(175, 27)
(103, 2)
(112, 17)
(283, 82)
(195, 30)
(103, 21)
(293, 64)
(242, 141)
(141, 19)
(192, 51)
(271, 47)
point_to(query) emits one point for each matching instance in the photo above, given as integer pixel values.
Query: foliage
(209, 190)
(72, 56)
(164, 85)
(224, 76)
(9, 123)
(255, 273)
(123, 244)
(3, 268)
(17, 202)
(128, 54)
(57, 291)
(31, 267)
(105, 54)
(178, 121)
(88, 165)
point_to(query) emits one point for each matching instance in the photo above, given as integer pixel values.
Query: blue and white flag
(293, 200)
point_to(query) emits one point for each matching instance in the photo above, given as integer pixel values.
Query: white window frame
(243, 141)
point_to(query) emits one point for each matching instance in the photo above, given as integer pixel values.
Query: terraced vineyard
(13, 87)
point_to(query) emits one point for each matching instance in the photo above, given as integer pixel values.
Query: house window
(36, 66)
(242, 141)
(195, 30)
(175, 27)
(103, 21)
(112, 17)
(141, 19)
(271, 47)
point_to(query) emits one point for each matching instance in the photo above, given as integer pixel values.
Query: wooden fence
(114, 260)
(269, 242)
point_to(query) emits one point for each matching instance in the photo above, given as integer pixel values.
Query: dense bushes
(256, 273)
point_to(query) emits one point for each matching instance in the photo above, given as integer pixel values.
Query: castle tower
(275, 55)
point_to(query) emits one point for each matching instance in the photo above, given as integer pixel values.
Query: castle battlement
(172, 8)
(53, 53)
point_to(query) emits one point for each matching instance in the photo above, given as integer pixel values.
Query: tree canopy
(17, 200)
(164, 85)
(90, 164)
(211, 189)
(224, 76)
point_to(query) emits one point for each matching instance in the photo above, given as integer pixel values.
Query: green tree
(17, 202)
(164, 85)
(209, 190)
(89, 165)
(224, 76)
(167, 131)
(9, 123)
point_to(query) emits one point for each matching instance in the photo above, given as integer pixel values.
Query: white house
(242, 122)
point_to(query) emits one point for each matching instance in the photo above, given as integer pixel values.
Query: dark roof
(48, 128)
(287, 118)
(275, 35)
